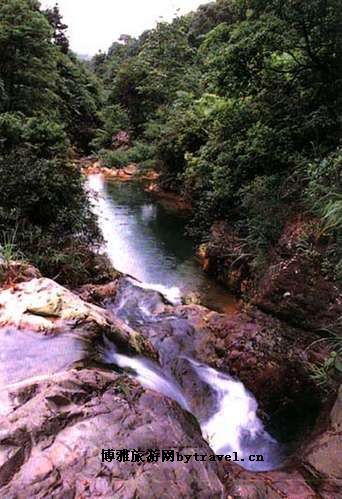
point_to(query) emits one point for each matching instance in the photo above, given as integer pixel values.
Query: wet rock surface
(53, 429)
(53, 433)
(51, 441)
(44, 306)
(224, 258)
(322, 458)
(266, 355)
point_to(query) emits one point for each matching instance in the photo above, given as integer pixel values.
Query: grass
(322, 373)
(332, 214)
(8, 247)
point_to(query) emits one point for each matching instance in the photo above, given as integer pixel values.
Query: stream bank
(142, 373)
(55, 424)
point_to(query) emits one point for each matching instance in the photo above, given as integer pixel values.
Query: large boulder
(53, 434)
(44, 306)
(323, 456)
(39, 303)
(224, 258)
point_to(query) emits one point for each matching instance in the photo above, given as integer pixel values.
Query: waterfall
(233, 426)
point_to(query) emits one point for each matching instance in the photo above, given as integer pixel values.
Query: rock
(98, 294)
(224, 258)
(52, 439)
(273, 484)
(130, 169)
(295, 291)
(45, 306)
(39, 303)
(269, 357)
(53, 433)
(294, 288)
(323, 456)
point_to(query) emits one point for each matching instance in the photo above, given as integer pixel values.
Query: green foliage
(264, 216)
(8, 247)
(139, 153)
(241, 102)
(332, 213)
(79, 100)
(324, 199)
(322, 373)
(114, 119)
(48, 102)
(115, 159)
(28, 58)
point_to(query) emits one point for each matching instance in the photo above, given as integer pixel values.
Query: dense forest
(48, 113)
(239, 106)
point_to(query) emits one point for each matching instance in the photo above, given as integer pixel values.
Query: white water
(234, 425)
(172, 294)
(147, 373)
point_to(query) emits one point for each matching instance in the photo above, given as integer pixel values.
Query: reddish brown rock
(53, 434)
(294, 287)
(268, 356)
(98, 294)
(224, 258)
(284, 484)
(323, 456)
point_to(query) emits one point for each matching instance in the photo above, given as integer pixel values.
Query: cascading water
(231, 423)
(146, 372)
(233, 426)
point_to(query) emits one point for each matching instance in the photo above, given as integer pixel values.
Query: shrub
(140, 152)
(43, 200)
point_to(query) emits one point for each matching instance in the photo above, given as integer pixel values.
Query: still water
(147, 240)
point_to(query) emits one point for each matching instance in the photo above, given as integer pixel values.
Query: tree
(48, 101)
(79, 100)
(59, 28)
(28, 58)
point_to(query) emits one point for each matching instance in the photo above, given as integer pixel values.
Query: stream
(146, 241)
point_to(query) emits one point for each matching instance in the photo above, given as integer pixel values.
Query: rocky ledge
(293, 285)
(51, 441)
(53, 429)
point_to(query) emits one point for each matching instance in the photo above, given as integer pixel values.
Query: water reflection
(148, 241)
